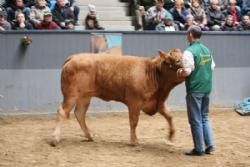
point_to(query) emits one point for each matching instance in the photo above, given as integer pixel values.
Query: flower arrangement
(25, 40)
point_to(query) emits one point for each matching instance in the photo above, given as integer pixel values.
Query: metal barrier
(30, 76)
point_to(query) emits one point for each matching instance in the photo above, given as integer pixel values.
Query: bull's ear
(163, 54)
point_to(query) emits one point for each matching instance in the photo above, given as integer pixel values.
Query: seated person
(37, 11)
(20, 23)
(154, 15)
(215, 16)
(199, 14)
(141, 6)
(17, 7)
(245, 7)
(47, 22)
(91, 22)
(167, 24)
(233, 10)
(245, 23)
(62, 12)
(69, 25)
(189, 22)
(179, 13)
(4, 25)
(229, 24)
(75, 8)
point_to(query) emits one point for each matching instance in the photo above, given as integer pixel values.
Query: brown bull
(140, 83)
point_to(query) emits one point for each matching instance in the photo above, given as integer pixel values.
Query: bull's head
(173, 58)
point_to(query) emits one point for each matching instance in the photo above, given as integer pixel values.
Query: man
(198, 67)
(167, 24)
(154, 15)
(47, 22)
(245, 23)
(4, 25)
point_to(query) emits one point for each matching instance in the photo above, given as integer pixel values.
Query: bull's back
(109, 77)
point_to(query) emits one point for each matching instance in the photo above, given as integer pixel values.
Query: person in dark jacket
(62, 12)
(229, 24)
(215, 16)
(20, 23)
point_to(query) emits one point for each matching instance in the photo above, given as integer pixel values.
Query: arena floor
(24, 142)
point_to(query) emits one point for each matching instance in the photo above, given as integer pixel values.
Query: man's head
(229, 20)
(246, 20)
(193, 33)
(159, 4)
(20, 17)
(168, 19)
(214, 4)
(47, 16)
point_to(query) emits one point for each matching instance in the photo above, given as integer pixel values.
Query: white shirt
(188, 62)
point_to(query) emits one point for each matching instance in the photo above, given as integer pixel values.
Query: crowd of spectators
(178, 15)
(160, 15)
(38, 14)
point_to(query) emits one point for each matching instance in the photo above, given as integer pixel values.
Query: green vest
(200, 80)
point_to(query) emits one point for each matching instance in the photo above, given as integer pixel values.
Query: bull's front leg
(133, 120)
(163, 110)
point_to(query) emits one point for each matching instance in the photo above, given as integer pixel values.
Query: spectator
(189, 22)
(16, 7)
(141, 6)
(229, 24)
(20, 23)
(167, 24)
(245, 7)
(168, 4)
(215, 16)
(4, 25)
(69, 24)
(199, 14)
(91, 21)
(47, 22)
(75, 9)
(245, 23)
(155, 14)
(179, 13)
(233, 10)
(62, 12)
(3, 11)
(38, 11)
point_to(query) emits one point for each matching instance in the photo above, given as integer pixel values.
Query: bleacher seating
(112, 14)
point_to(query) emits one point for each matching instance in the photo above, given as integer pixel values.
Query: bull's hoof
(134, 144)
(171, 136)
(54, 143)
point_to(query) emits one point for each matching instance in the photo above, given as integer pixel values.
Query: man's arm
(188, 65)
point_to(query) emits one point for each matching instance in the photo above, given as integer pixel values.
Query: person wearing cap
(167, 24)
(91, 21)
(38, 10)
(197, 69)
(4, 25)
(47, 22)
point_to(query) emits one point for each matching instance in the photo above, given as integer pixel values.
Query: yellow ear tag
(163, 58)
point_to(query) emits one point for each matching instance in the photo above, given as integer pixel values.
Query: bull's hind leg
(167, 115)
(80, 113)
(62, 114)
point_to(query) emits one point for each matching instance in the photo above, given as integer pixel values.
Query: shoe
(209, 150)
(194, 153)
